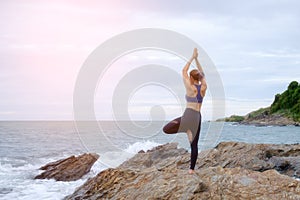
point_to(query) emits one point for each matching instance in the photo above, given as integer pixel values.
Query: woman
(190, 122)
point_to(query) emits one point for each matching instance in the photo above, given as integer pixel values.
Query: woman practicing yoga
(190, 122)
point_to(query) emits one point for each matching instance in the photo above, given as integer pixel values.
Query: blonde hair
(196, 74)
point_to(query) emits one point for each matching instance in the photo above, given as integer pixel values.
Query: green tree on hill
(288, 102)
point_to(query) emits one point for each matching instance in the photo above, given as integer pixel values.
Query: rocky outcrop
(231, 170)
(269, 120)
(69, 169)
(261, 120)
(282, 112)
(209, 183)
(285, 158)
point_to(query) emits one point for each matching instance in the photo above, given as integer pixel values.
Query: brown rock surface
(232, 170)
(257, 157)
(69, 169)
(269, 120)
(129, 184)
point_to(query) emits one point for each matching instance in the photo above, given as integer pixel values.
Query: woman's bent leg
(173, 126)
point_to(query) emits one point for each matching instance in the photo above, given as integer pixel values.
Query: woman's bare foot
(191, 171)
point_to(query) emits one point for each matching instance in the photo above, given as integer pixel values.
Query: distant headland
(285, 110)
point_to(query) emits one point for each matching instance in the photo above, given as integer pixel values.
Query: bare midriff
(194, 106)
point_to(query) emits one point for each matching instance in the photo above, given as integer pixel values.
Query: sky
(43, 44)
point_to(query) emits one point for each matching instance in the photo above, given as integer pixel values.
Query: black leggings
(191, 120)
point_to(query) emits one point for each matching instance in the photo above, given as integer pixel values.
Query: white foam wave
(16, 181)
(138, 146)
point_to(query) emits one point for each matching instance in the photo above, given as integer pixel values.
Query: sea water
(26, 146)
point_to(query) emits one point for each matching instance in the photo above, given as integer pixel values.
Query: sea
(25, 146)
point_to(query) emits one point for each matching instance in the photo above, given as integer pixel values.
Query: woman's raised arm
(197, 62)
(185, 69)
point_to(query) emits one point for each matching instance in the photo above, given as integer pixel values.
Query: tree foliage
(288, 102)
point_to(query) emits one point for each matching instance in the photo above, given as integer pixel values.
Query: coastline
(284, 111)
(262, 120)
(270, 120)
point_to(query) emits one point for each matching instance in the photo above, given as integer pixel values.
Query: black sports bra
(196, 99)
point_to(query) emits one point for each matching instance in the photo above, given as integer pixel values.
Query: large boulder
(69, 169)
